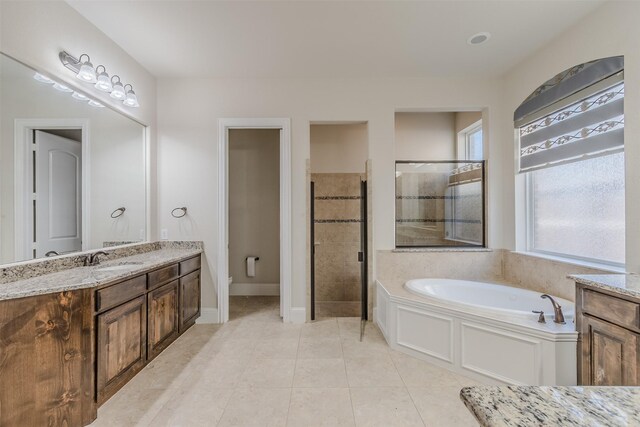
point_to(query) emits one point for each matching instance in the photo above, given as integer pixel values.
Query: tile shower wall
(337, 239)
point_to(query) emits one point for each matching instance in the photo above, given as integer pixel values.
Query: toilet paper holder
(257, 258)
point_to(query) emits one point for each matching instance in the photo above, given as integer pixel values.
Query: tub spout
(558, 317)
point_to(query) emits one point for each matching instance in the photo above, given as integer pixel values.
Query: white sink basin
(119, 267)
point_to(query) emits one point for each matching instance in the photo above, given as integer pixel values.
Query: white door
(57, 194)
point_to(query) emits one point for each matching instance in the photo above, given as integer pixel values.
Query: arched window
(570, 143)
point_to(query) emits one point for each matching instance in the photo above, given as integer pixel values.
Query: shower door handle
(360, 256)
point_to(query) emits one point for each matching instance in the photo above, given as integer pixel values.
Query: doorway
(282, 128)
(254, 226)
(51, 187)
(338, 221)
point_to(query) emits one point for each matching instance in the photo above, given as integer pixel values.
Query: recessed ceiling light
(479, 38)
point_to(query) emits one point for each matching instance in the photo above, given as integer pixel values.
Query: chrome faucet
(51, 253)
(558, 317)
(93, 258)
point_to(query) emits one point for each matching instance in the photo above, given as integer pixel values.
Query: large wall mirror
(73, 173)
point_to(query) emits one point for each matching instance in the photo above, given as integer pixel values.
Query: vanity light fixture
(79, 96)
(86, 73)
(103, 81)
(131, 99)
(95, 103)
(43, 79)
(117, 91)
(84, 70)
(62, 88)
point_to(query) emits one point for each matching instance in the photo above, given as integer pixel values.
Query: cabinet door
(189, 299)
(609, 354)
(122, 337)
(163, 317)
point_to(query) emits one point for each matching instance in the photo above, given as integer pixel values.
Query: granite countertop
(89, 277)
(506, 406)
(625, 284)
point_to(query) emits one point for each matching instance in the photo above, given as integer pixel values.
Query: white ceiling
(330, 38)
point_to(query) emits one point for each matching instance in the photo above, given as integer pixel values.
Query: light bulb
(117, 92)
(131, 100)
(87, 73)
(44, 79)
(95, 104)
(61, 87)
(79, 96)
(103, 82)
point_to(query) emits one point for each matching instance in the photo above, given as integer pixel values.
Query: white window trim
(556, 256)
(462, 147)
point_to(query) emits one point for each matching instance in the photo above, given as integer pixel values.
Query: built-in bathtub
(482, 330)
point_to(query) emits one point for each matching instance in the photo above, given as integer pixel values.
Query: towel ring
(183, 209)
(118, 212)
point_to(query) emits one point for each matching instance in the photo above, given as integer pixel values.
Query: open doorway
(338, 220)
(247, 261)
(254, 226)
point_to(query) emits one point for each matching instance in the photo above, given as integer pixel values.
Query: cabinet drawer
(162, 275)
(189, 265)
(121, 292)
(621, 312)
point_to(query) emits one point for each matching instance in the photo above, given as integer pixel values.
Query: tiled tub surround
(66, 273)
(337, 242)
(500, 266)
(553, 406)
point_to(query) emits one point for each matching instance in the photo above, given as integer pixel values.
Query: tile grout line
(408, 392)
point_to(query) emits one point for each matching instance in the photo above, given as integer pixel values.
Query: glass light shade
(87, 73)
(95, 104)
(103, 82)
(79, 96)
(117, 92)
(131, 100)
(44, 79)
(61, 87)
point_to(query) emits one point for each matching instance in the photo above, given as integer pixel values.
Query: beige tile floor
(257, 371)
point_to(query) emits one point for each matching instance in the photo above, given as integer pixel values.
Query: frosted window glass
(578, 209)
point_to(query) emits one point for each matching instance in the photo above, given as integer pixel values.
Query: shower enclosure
(440, 204)
(339, 245)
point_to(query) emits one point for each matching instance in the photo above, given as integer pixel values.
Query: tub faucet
(558, 317)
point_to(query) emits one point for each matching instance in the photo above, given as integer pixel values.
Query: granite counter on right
(511, 406)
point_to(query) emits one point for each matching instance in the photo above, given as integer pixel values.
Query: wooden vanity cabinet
(163, 317)
(609, 343)
(189, 299)
(138, 318)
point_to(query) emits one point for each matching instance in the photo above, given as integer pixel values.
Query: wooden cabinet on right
(163, 317)
(609, 345)
(189, 299)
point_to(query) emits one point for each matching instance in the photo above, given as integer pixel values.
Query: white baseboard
(208, 315)
(251, 289)
(298, 315)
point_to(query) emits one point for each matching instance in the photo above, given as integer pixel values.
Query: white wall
(188, 110)
(254, 204)
(610, 30)
(338, 148)
(425, 136)
(34, 32)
